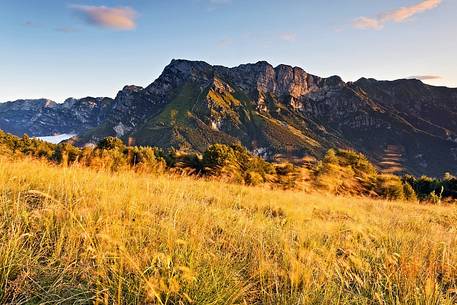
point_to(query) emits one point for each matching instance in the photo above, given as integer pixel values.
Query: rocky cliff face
(275, 111)
(44, 117)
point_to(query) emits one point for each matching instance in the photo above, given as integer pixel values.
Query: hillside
(137, 239)
(339, 172)
(278, 112)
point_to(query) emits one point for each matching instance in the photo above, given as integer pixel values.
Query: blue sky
(58, 49)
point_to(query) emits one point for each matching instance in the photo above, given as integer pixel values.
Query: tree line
(341, 172)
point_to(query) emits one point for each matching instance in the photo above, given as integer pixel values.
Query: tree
(218, 156)
(111, 143)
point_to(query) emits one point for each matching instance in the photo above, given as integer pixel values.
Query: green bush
(433, 189)
(110, 143)
(408, 192)
(450, 186)
(65, 154)
(436, 197)
(219, 158)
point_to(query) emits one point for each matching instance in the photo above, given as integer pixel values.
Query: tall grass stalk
(78, 236)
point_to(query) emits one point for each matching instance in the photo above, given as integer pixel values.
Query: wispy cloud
(119, 18)
(397, 16)
(425, 77)
(288, 36)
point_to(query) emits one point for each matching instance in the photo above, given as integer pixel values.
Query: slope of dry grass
(76, 236)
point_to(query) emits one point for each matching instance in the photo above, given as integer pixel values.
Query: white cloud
(397, 16)
(120, 18)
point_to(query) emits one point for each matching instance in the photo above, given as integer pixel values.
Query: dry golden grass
(76, 236)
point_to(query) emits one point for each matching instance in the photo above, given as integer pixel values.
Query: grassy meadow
(78, 236)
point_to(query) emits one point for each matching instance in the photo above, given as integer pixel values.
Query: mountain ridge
(280, 111)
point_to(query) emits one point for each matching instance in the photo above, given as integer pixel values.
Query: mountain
(276, 112)
(44, 117)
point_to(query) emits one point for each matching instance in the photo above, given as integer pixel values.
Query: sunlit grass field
(77, 236)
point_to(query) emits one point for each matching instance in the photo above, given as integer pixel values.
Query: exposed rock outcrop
(281, 111)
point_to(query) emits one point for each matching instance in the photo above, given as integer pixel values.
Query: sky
(58, 49)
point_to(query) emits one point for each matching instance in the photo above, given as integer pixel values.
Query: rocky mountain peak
(333, 81)
(69, 102)
(188, 68)
(31, 104)
(128, 91)
(257, 78)
(132, 88)
(279, 110)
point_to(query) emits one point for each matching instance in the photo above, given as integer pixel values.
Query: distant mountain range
(277, 112)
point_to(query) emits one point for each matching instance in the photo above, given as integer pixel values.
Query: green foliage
(339, 172)
(435, 197)
(432, 189)
(218, 156)
(146, 158)
(424, 186)
(12, 145)
(408, 192)
(66, 153)
(110, 143)
(450, 185)
(189, 163)
(236, 163)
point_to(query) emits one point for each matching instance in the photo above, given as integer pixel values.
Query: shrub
(253, 178)
(450, 186)
(110, 143)
(235, 162)
(284, 169)
(190, 163)
(390, 187)
(336, 179)
(330, 157)
(345, 172)
(356, 160)
(408, 192)
(65, 154)
(218, 156)
(435, 197)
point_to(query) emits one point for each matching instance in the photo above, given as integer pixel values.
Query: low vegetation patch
(340, 172)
